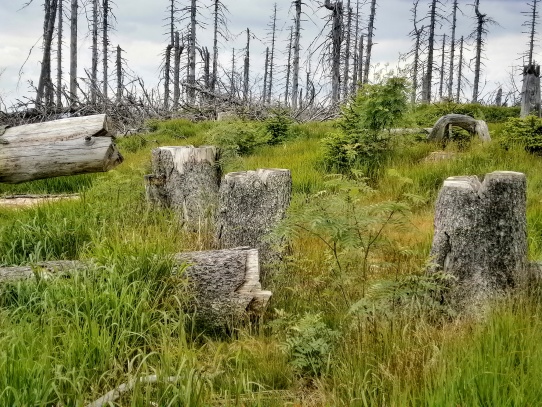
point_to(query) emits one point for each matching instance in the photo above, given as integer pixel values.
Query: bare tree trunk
(360, 61)
(105, 44)
(532, 31)
(346, 71)
(266, 73)
(73, 51)
(272, 56)
(215, 45)
(246, 69)
(45, 83)
(289, 68)
(336, 36)
(530, 92)
(356, 55)
(119, 74)
(441, 88)
(460, 71)
(232, 90)
(370, 34)
(452, 52)
(297, 37)
(417, 33)
(428, 79)
(177, 71)
(167, 73)
(481, 19)
(94, 69)
(192, 55)
(59, 55)
(206, 68)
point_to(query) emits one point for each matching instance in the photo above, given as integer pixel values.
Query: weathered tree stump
(251, 204)
(186, 179)
(57, 148)
(225, 284)
(530, 91)
(441, 130)
(481, 236)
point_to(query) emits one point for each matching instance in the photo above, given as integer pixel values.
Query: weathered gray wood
(441, 129)
(481, 236)
(185, 179)
(251, 203)
(61, 147)
(530, 91)
(225, 283)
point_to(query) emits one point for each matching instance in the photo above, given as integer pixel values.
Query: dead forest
(308, 76)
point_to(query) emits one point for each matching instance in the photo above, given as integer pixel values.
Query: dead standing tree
(347, 35)
(73, 51)
(530, 92)
(336, 39)
(370, 35)
(416, 34)
(434, 17)
(59, 54)
(191, 77)
(220, 29)
(45, 84)
(246, 68)
(272, 54)
(94, 51)
(482, 20)
(452, 50)
(296, 42)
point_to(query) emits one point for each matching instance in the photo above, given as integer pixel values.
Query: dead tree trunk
(295, 68)
(532, 31)
(416, 33)
(266, 73)
(59, 54)
(73, 52)
(481, 20)
(246, 68)
(61, 147)
(120, 85)
(272, 55)
(177, 71)
(192, 55)
(94, 68)
(452, 52)
(530, 92)
(370, 35)
(460, 72)
(232, 90)
(185, 179)
(45, 84)
(353, 86)
(498, 98)
(251, 203)
(440, 131)
(346, 71)
(224, 285)
(442, 69)
(428, 79)
(481, 237)
(360, 61)
(167, 75)
(336, 38)
(288, 68)
(105, 45)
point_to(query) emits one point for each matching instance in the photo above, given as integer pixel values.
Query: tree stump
(441, 130)
(57, 148)
(186, 179)
(226, 284)
(530, 91)
(481, 236)
(251, 204)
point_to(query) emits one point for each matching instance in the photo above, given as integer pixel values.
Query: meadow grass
(68, 340)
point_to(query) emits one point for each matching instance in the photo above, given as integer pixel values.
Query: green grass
(69, 340)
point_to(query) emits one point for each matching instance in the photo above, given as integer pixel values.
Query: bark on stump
(186, 179)
(530, 91)
(481, 237)
(441, 130)
(225, 284)
(251, 204)
(57, 148)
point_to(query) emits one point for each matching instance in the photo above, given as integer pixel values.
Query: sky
(141, 32)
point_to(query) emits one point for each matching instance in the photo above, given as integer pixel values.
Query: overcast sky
(140, 31)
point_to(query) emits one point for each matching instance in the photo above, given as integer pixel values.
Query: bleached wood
(440, 131)
(61, 147)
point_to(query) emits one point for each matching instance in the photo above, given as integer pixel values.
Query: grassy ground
(350, 327)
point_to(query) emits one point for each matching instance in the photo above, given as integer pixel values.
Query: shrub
(279, 126)
(526, 132)
(361, 142)
(237, 137)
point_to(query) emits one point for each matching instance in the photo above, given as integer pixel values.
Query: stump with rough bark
(251, 204)
(481, 236)
(441, 130)
(186, 179)
(225, 284)
(530, 91)
(57, 148)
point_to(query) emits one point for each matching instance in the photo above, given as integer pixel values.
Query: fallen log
(62, 147)
(225, 284)
(441, 130)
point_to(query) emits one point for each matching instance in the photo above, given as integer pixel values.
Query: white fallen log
(57, 148)
(441, 130)
(225, 284)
